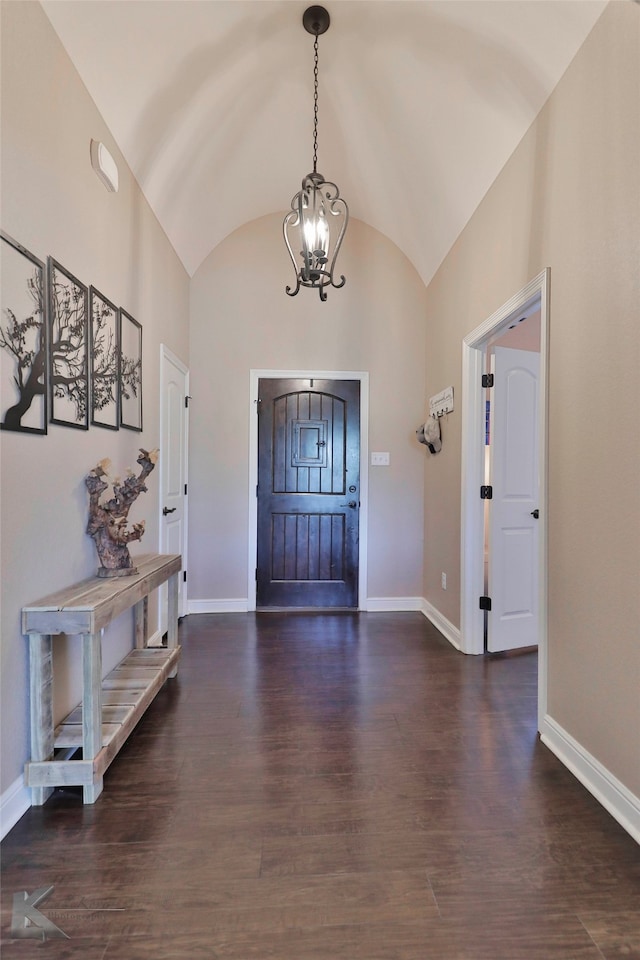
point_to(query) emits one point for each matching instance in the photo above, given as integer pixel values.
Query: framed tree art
(130, 372)
(105, 366)
(68, 348)
(23, 339)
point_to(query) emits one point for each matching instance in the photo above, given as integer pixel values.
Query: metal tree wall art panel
(105, 367)
(130, 372)
(68, 348)
(23, 340)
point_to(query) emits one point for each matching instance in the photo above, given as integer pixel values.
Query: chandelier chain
(315, 104)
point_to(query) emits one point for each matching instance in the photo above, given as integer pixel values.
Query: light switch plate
(379, 459)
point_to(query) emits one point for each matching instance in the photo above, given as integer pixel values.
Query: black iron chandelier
(318, 217)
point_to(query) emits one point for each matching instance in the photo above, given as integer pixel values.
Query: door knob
(166, 510)
(352, 503)
(535, 513)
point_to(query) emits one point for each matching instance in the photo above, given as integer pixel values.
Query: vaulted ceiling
(421, 104)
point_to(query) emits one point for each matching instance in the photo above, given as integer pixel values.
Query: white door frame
(472, 513)
(167, 354)
(255, 377)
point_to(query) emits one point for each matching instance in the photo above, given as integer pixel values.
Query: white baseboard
(369, 605)
(623, 805)
(372, 604)
(392, 604)
(218, 606)
(14, 802)
(440, 622)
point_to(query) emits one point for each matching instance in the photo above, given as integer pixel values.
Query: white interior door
(513, 570)
(174, 427)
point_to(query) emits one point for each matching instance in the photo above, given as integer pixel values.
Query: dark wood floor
(331, 787)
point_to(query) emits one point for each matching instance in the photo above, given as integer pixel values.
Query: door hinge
(485, 603)
(185, 489)
(186, 401)
(487, 379)
(486, 493)
(256, 574)
(184, 576)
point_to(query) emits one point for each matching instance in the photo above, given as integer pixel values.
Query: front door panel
(308, 493)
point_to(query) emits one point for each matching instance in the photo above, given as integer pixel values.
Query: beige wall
(53, 203)
(241, 319)
(569, 198)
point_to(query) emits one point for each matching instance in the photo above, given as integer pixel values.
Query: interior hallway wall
(242, 319)
(568, 199)
(53, 204)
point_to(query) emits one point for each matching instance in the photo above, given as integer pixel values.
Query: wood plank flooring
(330, 787)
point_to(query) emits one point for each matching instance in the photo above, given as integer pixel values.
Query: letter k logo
(27, 922)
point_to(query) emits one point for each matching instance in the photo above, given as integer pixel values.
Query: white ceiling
(421, 104)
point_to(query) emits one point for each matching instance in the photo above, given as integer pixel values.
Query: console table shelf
(111, 707)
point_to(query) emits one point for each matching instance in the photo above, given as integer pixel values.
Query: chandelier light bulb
(316, 233)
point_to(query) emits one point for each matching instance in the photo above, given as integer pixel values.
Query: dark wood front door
(308, 493)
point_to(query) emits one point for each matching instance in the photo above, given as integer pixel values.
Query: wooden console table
(112, 707)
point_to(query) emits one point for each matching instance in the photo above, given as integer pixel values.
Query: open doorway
(529, 300)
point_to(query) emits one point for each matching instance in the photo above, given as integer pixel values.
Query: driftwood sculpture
(108, 521)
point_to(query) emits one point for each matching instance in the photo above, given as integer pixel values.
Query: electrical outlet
(444, 581)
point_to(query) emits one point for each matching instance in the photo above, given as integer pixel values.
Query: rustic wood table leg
(172, 616)
(92, 708)
(141, 613)
(41, 683)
